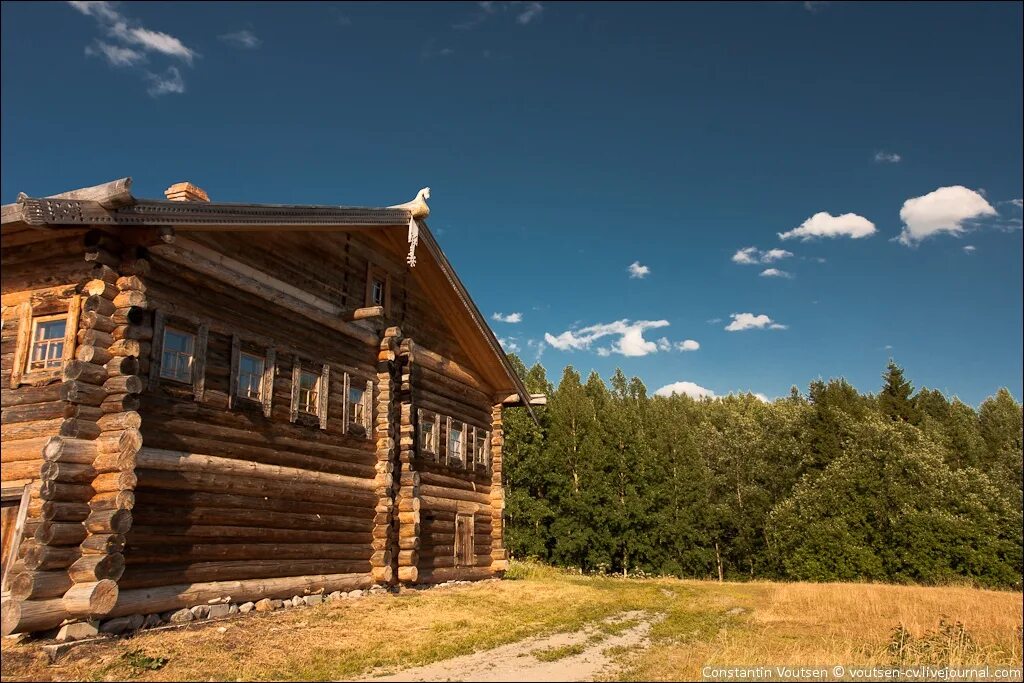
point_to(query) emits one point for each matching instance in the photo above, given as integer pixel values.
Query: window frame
(245, 392)
(431, 418)
(201, 334)
(268, 359)
(365, 405)
(312, 405)
(460, 427)
(27, 318)
(323, 388)
(193, 341)
(33, 342)
(375, 273)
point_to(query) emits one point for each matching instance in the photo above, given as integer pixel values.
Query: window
(47, 342)
(428, 433)
(356, 407)
(455, 444)
(309, 391)
(377, 292)
(464, 552)
(250, 376)
(177, 356)
(481, 449)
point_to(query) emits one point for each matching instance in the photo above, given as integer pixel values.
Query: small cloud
(685, 389)
(638, 271)
(775, 272)
(749, 321)
(761, 397)
(630, 342)
(509, 344)
(1019, 203)
(824, 224)
(244, 39)
(510, 318)
(170, 82)
(530, 12)
(524, 13)
(340, 17)
(883, 157)
(713, 321)
(114, 54)
(815, 6)
(970, 248)
(748, 256)
(944, 210)
(688, 345)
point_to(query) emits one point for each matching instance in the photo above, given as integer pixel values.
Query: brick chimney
(186, 192)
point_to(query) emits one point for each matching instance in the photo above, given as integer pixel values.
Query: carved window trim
(28, 318)
(376, 274)
(201, 334)
(428, 448)
(323, 390)
(265, 397)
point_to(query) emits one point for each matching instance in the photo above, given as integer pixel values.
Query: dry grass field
(692, 625)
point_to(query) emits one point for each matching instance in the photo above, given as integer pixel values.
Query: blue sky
(565, 142)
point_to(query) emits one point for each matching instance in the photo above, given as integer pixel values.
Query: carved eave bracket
(418, 210)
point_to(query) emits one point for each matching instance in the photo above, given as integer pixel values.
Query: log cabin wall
(240, 490)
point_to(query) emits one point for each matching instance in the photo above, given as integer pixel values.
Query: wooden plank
(267, 388)
(13, 537)
(323, 396)
(199, 362)
(21, 349)
(296, 376)
(156, 355)
(236, 352)
(71, 327)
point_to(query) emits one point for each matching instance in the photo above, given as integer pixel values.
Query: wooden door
(13, 506)
(464, 556)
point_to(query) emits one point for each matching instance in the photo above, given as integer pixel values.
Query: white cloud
(714, 321)
(131, 35)
(1019, 203)
(114, 54)
(524, 13)
(883, 157)
(630, 340)
(748, 256)
(815, 6)
(944, 210)
(749, 321)
(638, 271)
(761, 397)
(169, 82)
(510, 318)
(530, 12)
(775, 272)
(685, 389)
(686, 345)
(244, 39)
(509, 344)
(970, 248)
(824, 224)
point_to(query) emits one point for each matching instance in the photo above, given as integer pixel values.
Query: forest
(901, 486)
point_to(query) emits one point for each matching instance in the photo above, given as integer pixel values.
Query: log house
(204, 400)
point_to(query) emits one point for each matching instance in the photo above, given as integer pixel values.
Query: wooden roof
(111, 204)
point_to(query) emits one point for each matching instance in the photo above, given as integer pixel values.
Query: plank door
(464, 556)
(13, 506)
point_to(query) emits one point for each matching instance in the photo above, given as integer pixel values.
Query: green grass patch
(553, 654)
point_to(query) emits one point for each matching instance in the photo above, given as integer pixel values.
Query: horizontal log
(90, 600)
(27, 395)
(448, 368)
(90, 373)
(159, 459)
(149, 535)
(139, 332)
(443, 574)
(124, 384)
(130, 347)
(101, 288)
(79, 429)
(40, 585)
(114, 500)
(114, 481)
(130, 298)
(82, 412)
(60, 533)
(109, 521)
(109, 195)
(205, 552)
(102, 544)
(55, 511)
(120, 403)
(91, 320)
(81, 392)
(131, 283)
(454, 494)
(53, 490)
(94, 337)
(122, 365)
(91, 568)
(225, 508)
(30, 430)
(23, 449)
(43, 557)
(31, 615)
(62, 449)
(148, 600)
(132, 315)
(68, 472)
(119, 421)
(453, 481)
(21, 470)
(93, 354)
(178, 512)
(100, 305)
(32, 412)
(146, 576)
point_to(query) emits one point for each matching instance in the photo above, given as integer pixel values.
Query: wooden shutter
(471, 463)
(345, 417)
(71, 328)
(322, 395)
(487, 451)
(465, 443)
(368, 409)
(296, 374)
(157, 349)
(236, 357)
(21, 351)
(267, 388)
(199, 361)
(447, 438)
(437, 436)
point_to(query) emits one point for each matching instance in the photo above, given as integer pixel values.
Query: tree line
(827, 485)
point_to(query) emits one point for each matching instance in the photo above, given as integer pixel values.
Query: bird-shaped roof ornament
(417, 209)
